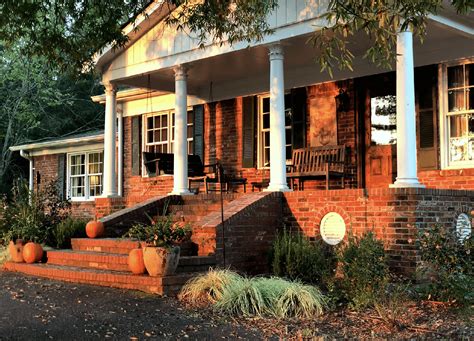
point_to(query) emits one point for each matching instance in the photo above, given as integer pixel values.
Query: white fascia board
(130, 94)
(280, 34)
(452, 24)
(58, 143)
(133, 30)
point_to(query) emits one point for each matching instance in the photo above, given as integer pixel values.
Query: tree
(38, 102)
(69, 32)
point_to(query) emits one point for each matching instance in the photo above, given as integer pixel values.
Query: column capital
(275, 51)
(110, 88)
(180, 72)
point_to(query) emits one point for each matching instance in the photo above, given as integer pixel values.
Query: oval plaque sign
(463, 227)
(332, 228)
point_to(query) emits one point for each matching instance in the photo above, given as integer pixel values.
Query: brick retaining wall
(395, 215)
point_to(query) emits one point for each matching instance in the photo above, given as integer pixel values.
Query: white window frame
(86, 174)
(443, 115)
(170, 140)
(260, 147)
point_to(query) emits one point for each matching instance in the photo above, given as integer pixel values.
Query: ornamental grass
(207, 288)
(235, 295)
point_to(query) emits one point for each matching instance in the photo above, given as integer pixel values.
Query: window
(159, 132)
(264, 129)
(383, 120)
(458, 102)
(85, 175)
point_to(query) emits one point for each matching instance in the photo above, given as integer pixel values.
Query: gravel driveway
(39, 309)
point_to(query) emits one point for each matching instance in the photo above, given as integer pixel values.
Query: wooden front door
(379, 112)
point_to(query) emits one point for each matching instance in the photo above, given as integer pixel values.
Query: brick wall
(395, 215)
(448, 179)
(247, 239)
(46, 169)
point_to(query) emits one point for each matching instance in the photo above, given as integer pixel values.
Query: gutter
(27, 156)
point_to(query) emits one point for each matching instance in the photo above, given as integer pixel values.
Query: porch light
(342, 101)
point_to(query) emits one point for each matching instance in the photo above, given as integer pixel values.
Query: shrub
(300, 300)
(296, 257)
(162, 231)
(207, 288)
(32, 216)
(4, 254)
(449, 265)
(67, 229)
(365, 270)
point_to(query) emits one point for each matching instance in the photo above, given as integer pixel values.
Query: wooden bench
(163, 163)
(318, 162)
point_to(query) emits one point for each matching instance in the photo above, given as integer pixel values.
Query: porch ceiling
(246, 71)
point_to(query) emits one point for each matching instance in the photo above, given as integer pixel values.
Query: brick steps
(169, 285)
(89, 259)
(109, 245)
(118, 262)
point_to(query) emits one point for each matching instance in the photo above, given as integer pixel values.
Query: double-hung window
(264, 129)
(159, 132)
(85, 175)
(458, 114)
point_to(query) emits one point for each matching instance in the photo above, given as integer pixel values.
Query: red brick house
(408, 134)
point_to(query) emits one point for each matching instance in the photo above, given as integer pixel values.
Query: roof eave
(58, 143)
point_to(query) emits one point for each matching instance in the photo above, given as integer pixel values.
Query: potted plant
(161, 238)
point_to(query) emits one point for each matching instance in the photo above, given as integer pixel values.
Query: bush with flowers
(448, 264)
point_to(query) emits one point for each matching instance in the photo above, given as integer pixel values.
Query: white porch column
(277, 121)
(110, 132)
(406, 119)
(180, 164)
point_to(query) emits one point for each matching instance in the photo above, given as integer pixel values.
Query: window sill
(458, 167)
(79, 200)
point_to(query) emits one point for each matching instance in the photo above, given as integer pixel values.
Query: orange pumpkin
(32, 252)
(135, 262)
(94, 229)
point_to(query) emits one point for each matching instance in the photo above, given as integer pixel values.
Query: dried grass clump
(234, 295)
(4, 254)
(300, 300)
(207, 288)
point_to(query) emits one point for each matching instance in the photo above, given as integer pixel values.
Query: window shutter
(62, 176)
(135, 157)
(427, 129)
(248, 133)
(298, 109)
(198, 136)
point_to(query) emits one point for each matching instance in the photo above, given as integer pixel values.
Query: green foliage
(235, 295)
(32, 216)
(296, 257)
(37, 102)
(379, 21)
(449, 265)
(364, 269)
(67, 229)
(4, 254)
(161, 232)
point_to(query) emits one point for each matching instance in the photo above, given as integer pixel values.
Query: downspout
(27, 156)
(120, 152)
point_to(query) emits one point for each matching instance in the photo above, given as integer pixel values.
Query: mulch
(41, 309)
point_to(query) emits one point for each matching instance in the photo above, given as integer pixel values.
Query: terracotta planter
(32, 252)
(94, 229)
(16, 251)
(160, 261)
(135, 262)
